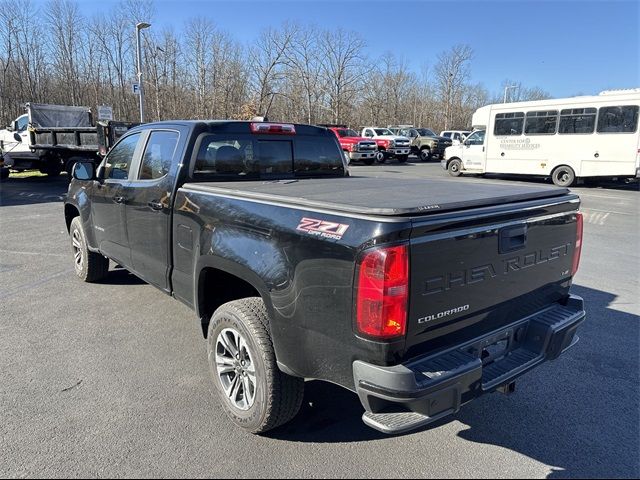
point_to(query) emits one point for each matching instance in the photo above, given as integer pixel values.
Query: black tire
(53, 167)
(563, 176)
(455, 168)
(90, 266)
(369, 161)
(381, 156)
(402, 158)
(4, 173)
(277, 396)
(425, 155)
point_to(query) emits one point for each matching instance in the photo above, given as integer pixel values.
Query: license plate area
(497, 346)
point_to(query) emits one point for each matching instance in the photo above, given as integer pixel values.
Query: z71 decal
(332, 230)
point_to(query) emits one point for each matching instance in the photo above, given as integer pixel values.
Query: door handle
(156, 205)
(118, 199)
(596, 155)
(502, 154)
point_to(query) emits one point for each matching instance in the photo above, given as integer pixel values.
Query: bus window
(577, 120)
(541, 123)
(618, 119)
(509, 123)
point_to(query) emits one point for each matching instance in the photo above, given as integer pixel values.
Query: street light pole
(506, 89)
(140, 26)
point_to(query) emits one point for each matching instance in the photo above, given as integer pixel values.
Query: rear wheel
(455, 168)
(89, 266)
(53, 167)
(254, 393)
(425, 155)
(563, 176)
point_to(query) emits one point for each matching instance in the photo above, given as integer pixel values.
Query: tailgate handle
(513, 238)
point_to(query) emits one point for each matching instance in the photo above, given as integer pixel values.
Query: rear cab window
(231, 156)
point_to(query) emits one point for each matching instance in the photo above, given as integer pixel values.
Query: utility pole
(140, 26)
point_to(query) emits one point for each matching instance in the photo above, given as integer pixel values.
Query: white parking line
(609, 211)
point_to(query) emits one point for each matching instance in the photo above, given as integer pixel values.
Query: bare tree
(345, 67)
(452, 71)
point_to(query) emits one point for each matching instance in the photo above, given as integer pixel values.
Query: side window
(577, 120)
(158, 154)
(447, 134)
(541, 122)
(456, 136)
(119, 160)
(477, 138)
(23, 121)
(618, 119)
(509, 123)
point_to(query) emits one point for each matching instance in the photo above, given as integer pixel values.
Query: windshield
(383, 131)
(347, 133)
(425, 132)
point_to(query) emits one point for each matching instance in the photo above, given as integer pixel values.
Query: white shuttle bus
(565, 139)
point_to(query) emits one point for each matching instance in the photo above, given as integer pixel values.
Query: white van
(567, 139)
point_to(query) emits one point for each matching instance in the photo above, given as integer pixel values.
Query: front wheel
(455, 168)
(425, 155)
(254, 393)
(380, 157)
(563, 176)
(89, 266)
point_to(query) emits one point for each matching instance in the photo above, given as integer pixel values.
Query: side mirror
(84, 171)
(17, 137)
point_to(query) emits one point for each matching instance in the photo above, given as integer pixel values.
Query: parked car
(356, 148)
(456, 136)
(425, 143)
(418, 295)
(389, 145)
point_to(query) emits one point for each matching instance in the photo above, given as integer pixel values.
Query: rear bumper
(408, 396)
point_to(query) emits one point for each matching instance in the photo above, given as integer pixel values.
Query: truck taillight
(273, 128)
(382, 292)
(578, 249)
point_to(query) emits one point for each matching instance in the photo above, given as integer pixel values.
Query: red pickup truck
(356, 147)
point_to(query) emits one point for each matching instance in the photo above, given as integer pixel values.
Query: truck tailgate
(478, 273)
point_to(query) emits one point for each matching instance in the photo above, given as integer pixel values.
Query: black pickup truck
(418, 295)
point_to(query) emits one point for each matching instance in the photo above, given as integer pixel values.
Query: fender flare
(232, 268)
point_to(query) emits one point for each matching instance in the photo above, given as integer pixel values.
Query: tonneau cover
(380, 196)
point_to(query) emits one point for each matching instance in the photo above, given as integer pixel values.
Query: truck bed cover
(380, 196)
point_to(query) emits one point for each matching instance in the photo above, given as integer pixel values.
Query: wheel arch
(70, 212)
(218, 281)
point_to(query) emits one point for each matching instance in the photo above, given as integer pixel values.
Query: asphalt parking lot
(111, 379)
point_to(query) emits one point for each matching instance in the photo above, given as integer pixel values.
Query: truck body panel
(294, 232)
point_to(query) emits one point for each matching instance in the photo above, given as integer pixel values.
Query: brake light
(273, 128)
(383, 292)
(578, 249)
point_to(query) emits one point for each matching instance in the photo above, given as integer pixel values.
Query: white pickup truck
(389, 145)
